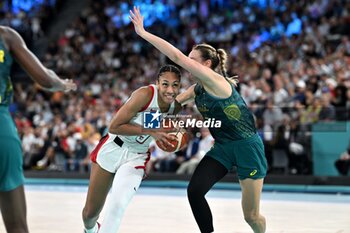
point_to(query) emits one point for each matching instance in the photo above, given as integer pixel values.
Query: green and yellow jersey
(237, 122)
(6, 60)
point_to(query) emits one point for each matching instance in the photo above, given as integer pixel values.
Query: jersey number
(141, 139)
(2, 55)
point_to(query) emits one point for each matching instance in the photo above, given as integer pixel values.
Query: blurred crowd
(32, 24)
(292, 59)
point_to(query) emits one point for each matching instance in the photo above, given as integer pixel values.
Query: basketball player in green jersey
(236, 142)
(12, 197)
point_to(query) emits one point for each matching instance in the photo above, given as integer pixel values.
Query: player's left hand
(137, 19)
(69, 85)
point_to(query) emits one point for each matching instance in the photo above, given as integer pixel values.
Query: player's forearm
(186, 101)
(163, 46)
(52, 82)
(186, 96)
(46, 78)
(128, 129)
(131, 129)
(124, 129)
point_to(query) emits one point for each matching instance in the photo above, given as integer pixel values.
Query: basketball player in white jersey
(121, 156)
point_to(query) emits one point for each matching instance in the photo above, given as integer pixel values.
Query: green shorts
(11, 170)
(247, 155)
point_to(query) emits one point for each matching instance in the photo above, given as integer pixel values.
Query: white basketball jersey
(140, 143)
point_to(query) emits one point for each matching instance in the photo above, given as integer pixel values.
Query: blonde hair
(218, 57)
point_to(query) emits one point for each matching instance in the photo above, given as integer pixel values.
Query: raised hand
(69, 85)
(137, 19)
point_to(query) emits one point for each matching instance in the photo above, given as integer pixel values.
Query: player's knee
(191, 191)
(195, 192)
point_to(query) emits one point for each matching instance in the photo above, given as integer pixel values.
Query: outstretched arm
(46, 78)
(206, 75)
(186, 96)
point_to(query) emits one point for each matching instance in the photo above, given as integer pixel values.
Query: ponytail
(222, 55)
(218, 58)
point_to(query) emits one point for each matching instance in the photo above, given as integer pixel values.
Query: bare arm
(178, 107)
(121, 125)
(186, 96)
(120, 122)
(30, 63)
(209, 78)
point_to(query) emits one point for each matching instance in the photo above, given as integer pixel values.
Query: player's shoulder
(141, 97)
(4, 29)
(7, 31)
(145, 91)
(4, 32)
(8, 34)
(143, 94)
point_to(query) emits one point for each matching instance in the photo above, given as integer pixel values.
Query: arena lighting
(17, 5)
(152, 10)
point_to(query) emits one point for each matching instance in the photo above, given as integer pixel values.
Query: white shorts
(110, 153)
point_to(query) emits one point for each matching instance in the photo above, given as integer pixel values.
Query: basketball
(179, 144)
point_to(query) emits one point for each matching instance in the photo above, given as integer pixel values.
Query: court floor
(57, 209)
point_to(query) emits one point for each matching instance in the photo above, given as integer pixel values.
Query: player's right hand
(137, 19)
(69, 85)
(163, 137)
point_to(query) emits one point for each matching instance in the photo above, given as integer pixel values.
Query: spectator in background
(280, 143)
(339, 101)
(160, 160)
(27, 142)
(76, 161)
(343, 163)
(272, 115)
(311, 113)
(344, 46)
(327, 112)
(298, 160)
(280, 95)
(348, 104)
(299, 95)
(205, 144)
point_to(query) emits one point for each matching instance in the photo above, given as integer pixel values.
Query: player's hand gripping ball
(178, 144)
